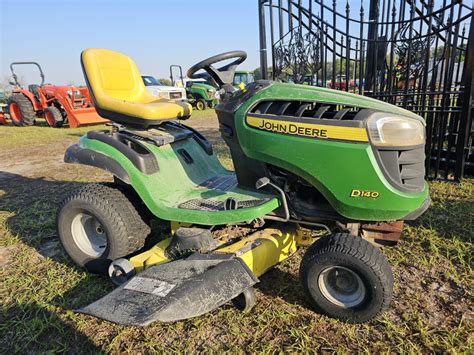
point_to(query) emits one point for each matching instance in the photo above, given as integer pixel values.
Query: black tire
(132, 196)
(123, 230)
(21, 110)
(201, 104)
(210, 104)
(358, 266)
(53, 117)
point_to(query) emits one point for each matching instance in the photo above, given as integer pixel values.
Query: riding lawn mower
(314, 167)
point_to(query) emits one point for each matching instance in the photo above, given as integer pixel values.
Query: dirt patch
(30, 162)
(6, 256)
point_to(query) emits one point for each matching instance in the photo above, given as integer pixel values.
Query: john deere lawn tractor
(199, 93)
(243, 77)
(317, 168)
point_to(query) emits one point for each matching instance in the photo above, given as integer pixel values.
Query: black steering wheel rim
(222, 75)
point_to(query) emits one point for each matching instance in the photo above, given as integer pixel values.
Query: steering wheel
(223, 75)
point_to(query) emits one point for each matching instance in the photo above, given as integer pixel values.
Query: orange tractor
(58, 105)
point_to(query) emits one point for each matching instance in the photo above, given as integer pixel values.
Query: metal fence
(418, 54)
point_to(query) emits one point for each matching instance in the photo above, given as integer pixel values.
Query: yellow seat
(119, 93)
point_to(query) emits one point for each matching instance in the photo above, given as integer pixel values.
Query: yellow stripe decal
(309, 129)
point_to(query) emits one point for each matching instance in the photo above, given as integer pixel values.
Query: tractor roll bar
(26, 63)
(180, 74)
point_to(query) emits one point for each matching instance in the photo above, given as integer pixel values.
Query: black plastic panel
(404, 168)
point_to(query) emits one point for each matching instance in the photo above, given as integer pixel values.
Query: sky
(155, 33)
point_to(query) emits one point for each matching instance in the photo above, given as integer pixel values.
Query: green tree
(442, 53)
(258, 74)
(166, 82)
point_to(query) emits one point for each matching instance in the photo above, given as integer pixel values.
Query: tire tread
(131, 230)
(357, 248)
(28, 114)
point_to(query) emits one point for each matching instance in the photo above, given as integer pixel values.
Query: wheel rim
(89, 235)
(48, 116)
(341, 286)
(15, 112)
(199, 106)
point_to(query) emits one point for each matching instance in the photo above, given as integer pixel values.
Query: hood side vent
(305, 109)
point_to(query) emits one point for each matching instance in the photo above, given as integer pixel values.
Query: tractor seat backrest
(119, 94)
(34, 89)
(112, 74)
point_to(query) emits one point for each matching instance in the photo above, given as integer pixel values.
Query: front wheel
(347, 278)
(201, 104)
(97, 224)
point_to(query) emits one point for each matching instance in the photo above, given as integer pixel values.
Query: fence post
(371, 45)
(263, 40)
(465, 122)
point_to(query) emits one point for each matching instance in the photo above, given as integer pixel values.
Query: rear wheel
(201, 104)
(53, 117)
(97, 224)
(21, 110)
(347, 278)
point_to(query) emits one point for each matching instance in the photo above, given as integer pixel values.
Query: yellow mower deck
(259, 251)
(167, 290)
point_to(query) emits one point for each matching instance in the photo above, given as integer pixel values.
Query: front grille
(307, 109)
(404, 168)
(175, 95)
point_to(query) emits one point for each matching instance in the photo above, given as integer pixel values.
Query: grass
(432, 309)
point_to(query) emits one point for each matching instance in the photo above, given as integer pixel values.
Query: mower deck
(168, 290)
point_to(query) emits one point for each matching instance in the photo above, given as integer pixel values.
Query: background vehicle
(58, 105)
(243, 76)
(156, 88)
(340, 83)
(200, 93)
(309, 79)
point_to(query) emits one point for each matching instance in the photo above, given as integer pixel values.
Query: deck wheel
(246, 300)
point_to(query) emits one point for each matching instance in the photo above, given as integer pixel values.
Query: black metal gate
(418, 54)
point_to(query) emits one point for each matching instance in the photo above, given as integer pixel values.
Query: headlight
(395, 131)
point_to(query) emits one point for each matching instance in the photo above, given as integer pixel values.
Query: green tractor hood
(202, 86)
(330, 96)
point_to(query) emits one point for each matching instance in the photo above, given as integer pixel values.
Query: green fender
(176, 182)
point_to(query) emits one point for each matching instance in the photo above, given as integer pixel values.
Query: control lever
(264, 181)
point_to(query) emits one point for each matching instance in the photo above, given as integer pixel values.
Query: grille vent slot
(412, 168)
(318, 110)
(404, 168)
